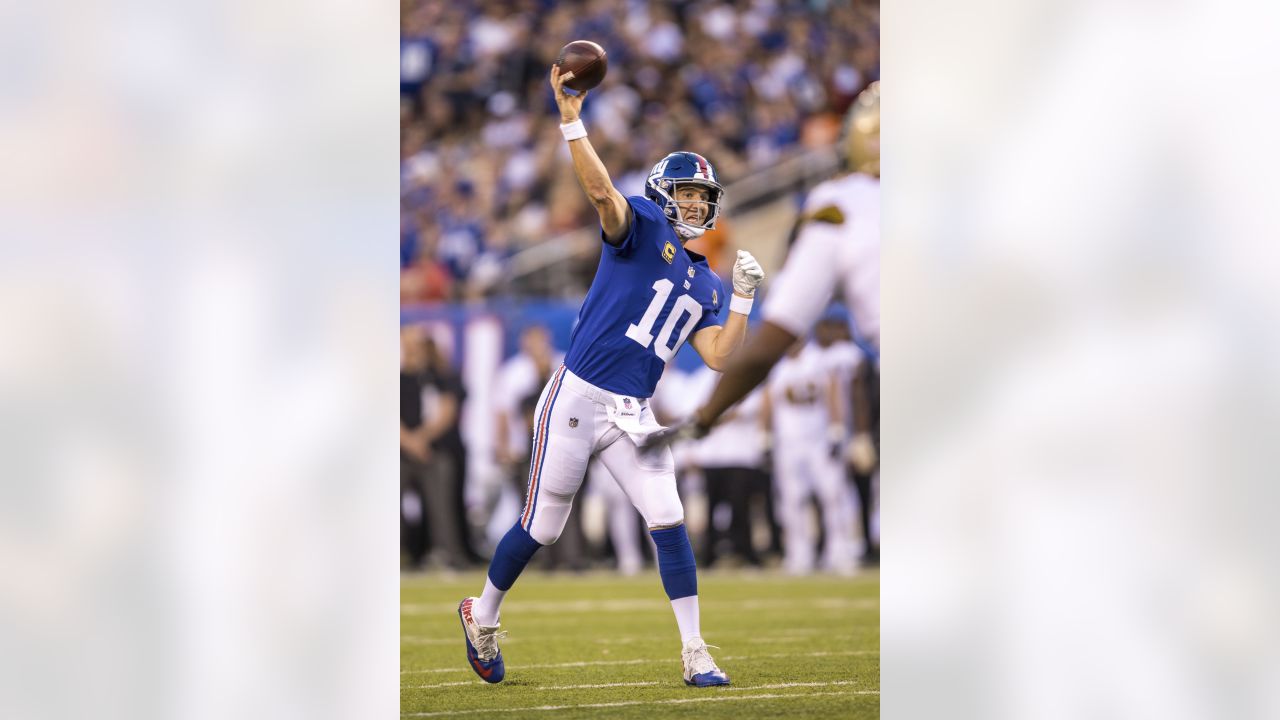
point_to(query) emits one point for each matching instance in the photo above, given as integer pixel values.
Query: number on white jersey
(642, 332)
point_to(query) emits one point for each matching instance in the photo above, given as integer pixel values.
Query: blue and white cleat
(699, 668)
(482, 645)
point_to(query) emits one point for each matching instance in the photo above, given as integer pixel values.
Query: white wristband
(574, 130)
(741, 305)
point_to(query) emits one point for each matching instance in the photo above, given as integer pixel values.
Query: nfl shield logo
(573, 422)
(690, 272)
(626, 403)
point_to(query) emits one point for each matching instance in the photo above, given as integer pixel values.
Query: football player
(804, 404)
(649, 295)
(837, 243)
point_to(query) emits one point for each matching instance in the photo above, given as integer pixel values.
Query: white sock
(485, 609)
(687, 618)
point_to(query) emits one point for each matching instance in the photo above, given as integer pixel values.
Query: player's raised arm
(615, 214)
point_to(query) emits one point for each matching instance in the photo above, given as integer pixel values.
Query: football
(586, 60)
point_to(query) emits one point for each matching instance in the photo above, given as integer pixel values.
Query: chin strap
(687, 232)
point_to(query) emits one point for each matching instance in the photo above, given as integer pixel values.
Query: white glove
(747, 274)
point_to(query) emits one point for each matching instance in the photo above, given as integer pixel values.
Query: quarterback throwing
(650, 294)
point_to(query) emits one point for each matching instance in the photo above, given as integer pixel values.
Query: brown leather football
(586, 60)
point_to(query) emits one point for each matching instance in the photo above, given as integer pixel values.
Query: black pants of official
(736, 487)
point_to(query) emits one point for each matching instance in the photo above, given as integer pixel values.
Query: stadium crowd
(744, 82)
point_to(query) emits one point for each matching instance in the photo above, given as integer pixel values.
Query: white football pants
(572, 424)
(624, 526)
(804, 467)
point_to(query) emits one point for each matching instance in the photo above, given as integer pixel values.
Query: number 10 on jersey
(642, 332)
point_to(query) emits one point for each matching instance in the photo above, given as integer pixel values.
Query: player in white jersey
(852, 371)
(837, 246)
(802, 393)
(842, 357)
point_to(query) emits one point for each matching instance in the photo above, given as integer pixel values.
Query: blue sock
(675, 562)
(514, 552)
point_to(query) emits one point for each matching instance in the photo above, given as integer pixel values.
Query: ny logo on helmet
(677, 170)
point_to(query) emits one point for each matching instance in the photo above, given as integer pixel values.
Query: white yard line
(620, 640)
(679, 701)
(466, 668)
(777, 686)
(549, 687)
(672, 660)
(785, 640)
(580, 606)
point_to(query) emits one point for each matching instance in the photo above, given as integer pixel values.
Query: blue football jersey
(649, 295)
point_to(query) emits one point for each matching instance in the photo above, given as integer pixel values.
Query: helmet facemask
(675, 210)
(680, 170)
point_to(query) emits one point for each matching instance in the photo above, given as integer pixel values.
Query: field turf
(600, 645)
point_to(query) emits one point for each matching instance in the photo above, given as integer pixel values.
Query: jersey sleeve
(644, 217)
(711, 312)
(803, 289)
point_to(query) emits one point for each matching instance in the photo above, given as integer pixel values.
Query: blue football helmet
(684, 168)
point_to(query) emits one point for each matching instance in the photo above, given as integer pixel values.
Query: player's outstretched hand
(570, 105)
(861, 453)
(686, 429)
(747, 274)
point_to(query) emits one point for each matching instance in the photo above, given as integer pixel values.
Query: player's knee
(546, 529)
(546, 538)
(665, 517)
(664, 512)
(544, 535)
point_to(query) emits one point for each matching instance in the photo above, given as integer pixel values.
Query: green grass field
(600, 645)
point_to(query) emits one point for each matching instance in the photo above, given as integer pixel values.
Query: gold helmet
(860, 143)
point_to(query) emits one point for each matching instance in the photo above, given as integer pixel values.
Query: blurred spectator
(731, 457)
(428, 518)
(443, 396)
(520, 380)
(739, 82)
(423, 278)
